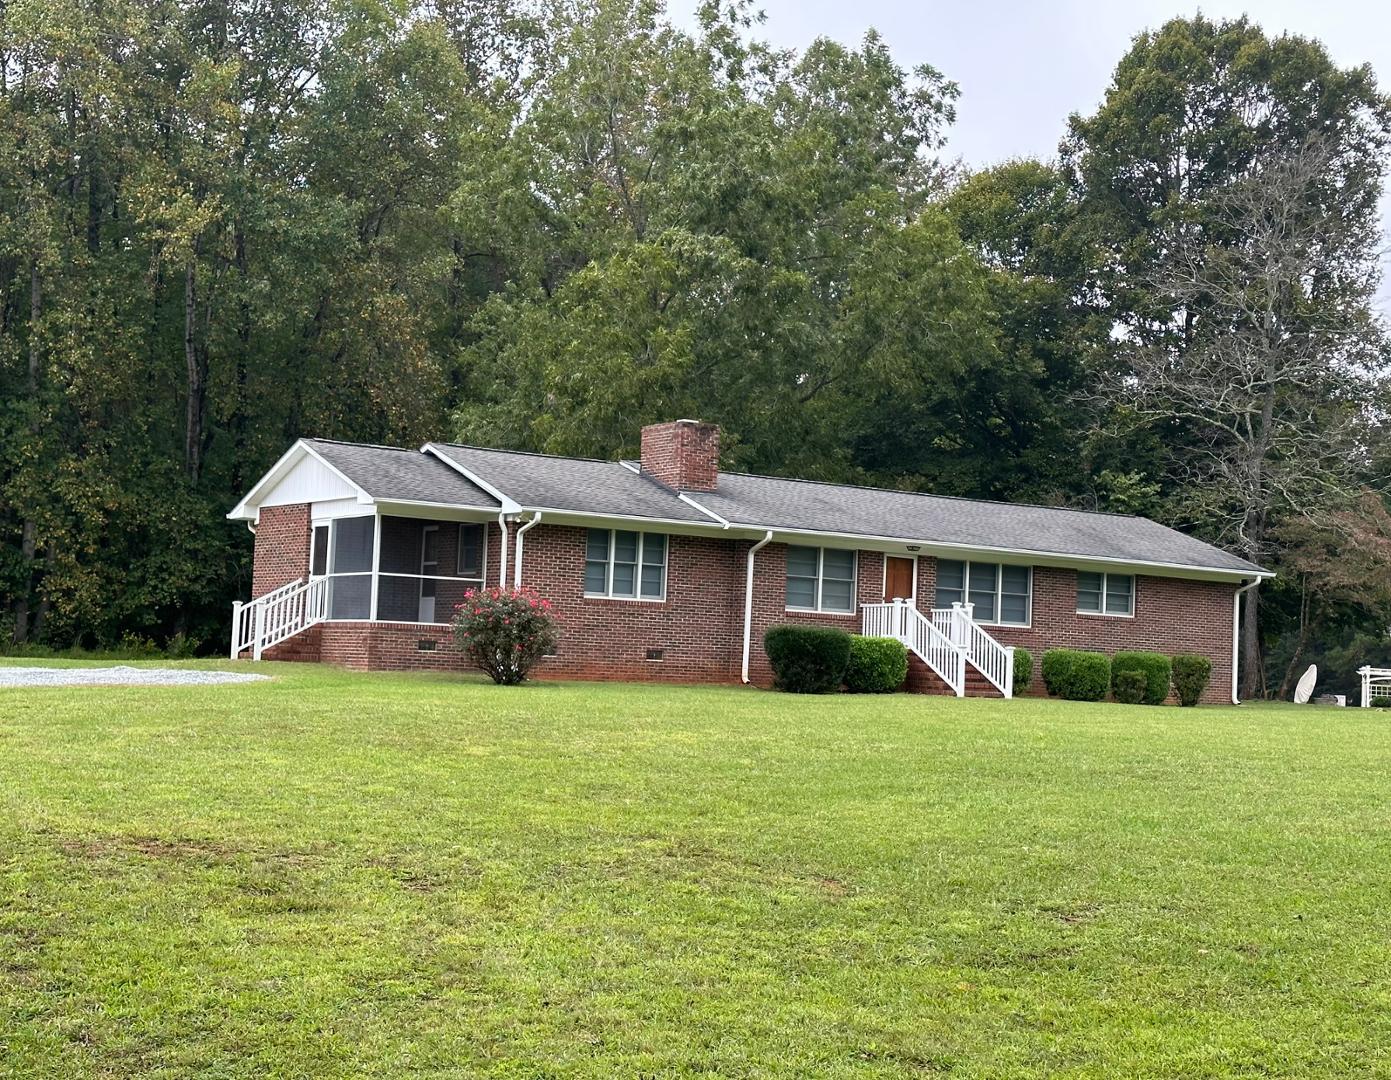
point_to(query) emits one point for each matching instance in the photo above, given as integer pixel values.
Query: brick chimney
(682, 454)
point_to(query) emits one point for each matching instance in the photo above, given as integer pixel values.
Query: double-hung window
(1000, 592)
(820, 579)
(1105, 594)
(625, 565)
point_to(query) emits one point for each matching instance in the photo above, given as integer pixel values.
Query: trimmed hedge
(1191, 675)
(807, 659)
(1076, 675)
(1023, 670)
(1155, 667)
(878, 665)
(1130, 685)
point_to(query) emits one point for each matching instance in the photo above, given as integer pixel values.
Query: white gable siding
(309, 480)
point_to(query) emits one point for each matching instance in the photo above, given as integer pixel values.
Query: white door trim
(884, 575)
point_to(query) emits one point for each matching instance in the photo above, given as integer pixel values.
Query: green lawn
(347, 875)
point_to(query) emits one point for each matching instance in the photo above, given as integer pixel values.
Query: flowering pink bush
(505, 631)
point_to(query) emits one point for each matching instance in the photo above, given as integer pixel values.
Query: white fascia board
(249, 507)
(420, 508)
(509, 505)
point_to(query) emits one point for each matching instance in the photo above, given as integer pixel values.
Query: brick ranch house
(668, 568)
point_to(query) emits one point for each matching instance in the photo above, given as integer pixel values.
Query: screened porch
(397, 569)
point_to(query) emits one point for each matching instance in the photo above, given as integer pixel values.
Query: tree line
(226, 224)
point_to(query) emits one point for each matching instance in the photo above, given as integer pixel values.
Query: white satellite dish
(1305, 688)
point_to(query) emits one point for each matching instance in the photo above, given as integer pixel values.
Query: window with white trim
(625, 565)
(1002, 593)
(1105, 594)
(820, 579)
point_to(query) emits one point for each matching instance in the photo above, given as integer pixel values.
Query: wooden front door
(898, 578)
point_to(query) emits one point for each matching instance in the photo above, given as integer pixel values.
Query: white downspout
(1236, 634)
(517, 570)
(502, 549)
(748, 603)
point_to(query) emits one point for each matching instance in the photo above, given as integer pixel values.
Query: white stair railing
(277, 615)
(985, 654)
(917, 632)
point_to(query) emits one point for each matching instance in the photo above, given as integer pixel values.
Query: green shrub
(1191, 675)
(1155, 667)
(1056, 669)
(1130, 686)
(878, 665)
(1076, 675)
(505, 631)
(807, 659)
(1023, 670)
(1381, 703)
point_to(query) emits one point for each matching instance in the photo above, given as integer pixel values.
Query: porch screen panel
(470, 551)
(398, 588)
(351, 592)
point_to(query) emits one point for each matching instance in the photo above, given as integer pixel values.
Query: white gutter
(1236, 634)
(502, 547)
(517, 570)
(748, 604)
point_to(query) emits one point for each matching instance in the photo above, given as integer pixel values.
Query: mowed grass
(336, 874)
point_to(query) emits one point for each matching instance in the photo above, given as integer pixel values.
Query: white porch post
(376, 559)
(236, 628)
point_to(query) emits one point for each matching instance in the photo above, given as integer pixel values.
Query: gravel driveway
(118, 676)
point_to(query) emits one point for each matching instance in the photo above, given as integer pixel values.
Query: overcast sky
(1024, 66)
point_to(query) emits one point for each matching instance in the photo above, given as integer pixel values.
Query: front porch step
(923, 680)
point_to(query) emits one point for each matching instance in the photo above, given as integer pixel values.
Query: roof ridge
(361, 445)
(530, 453)
(935, 495)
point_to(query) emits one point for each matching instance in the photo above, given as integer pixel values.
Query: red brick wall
(770, 602)
(682, 454)
(1171, 616)
(699, 627)
(282, 547)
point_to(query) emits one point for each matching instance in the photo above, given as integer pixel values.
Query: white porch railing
(988, 656)
(1376, 683)
(277, 615)
(917, 632)
(947, 640)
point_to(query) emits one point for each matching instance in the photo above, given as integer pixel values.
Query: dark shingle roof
(772, 502)
(389, 473)
(603, 488)
(579, 485)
